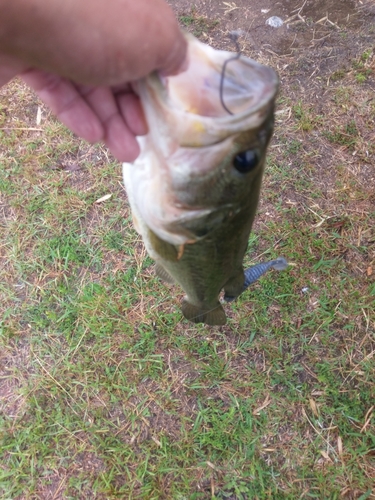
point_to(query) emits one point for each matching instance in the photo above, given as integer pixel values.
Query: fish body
(195, 187)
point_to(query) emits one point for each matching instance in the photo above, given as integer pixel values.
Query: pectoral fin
(199, 224)
(197, 314)
(166, 250)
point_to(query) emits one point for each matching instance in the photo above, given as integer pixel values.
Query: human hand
(93, 113)
(97, 50)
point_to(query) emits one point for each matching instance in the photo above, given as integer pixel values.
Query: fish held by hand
(195, 187)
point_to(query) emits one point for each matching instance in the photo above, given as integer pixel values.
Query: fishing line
(233, 35)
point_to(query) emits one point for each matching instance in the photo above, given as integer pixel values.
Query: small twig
(290, 19)
(296, 22)
(318, 432)
(212, 466)
(333, 24)
(369, 356)
(368, 418)
(231, 7)
(298, 9)
(266, 402)
(320, 39)
(22, 128)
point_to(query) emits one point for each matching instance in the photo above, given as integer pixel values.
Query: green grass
(307, 119)
(344, 135)
(106, 392)
(197, 24)
(362, 67)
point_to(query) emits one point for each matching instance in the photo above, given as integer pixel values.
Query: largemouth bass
(194, 189)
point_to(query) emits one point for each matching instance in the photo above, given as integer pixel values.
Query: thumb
(177, 59)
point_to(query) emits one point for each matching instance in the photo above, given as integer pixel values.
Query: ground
(106, 392)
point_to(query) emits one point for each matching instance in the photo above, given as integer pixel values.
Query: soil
(312, 25)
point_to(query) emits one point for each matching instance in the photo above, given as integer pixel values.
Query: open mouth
(219, 83)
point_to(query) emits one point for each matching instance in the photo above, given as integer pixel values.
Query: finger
(132, 111)
(120, 141)
(65, 101)
(177, 61)
(171, 46)
(118, 136)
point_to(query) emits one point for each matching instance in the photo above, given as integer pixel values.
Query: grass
(344, 135)
(362, 66)
(198, 25)
(306, 118)
(106, 392)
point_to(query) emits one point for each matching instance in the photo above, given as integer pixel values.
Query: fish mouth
(189, 106)
(213, 77)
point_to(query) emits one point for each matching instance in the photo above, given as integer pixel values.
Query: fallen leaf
(314, 407)
(210, 464)
(39, 115)
(267, 401)
(339, 445)
(325, 455)
(104, 198)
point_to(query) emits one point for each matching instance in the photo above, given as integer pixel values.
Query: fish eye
(246, 161)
